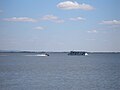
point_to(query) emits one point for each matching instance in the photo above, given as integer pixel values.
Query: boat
(43, 55)
(78, 53)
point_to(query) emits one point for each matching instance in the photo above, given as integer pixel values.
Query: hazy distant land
(17, 51)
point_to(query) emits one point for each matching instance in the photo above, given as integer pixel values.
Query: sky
(60, 25)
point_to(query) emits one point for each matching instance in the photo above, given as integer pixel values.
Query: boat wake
(39, 55)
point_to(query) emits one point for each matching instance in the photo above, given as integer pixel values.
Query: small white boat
(86, 54)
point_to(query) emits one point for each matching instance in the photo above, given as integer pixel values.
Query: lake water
(26, 71)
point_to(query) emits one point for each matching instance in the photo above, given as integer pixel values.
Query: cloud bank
(77, 19)
(68, 5)
(93, 31)
(112, 22)
(39, 28)
(52, 18)
(20, 19)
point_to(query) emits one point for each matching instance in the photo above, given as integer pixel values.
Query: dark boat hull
(72, 53)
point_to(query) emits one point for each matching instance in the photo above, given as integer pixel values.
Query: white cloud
(112, 22)
(77, 19)
(39, 28)
(52, 18)
(49, 17)
(93, 31)
(59, 21)
(20, 19)
(74, 5)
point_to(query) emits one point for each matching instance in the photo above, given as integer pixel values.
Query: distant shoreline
(53, 52)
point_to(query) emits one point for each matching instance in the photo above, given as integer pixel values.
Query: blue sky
(60, 25)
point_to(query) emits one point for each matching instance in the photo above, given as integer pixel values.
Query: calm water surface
(25, 71)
